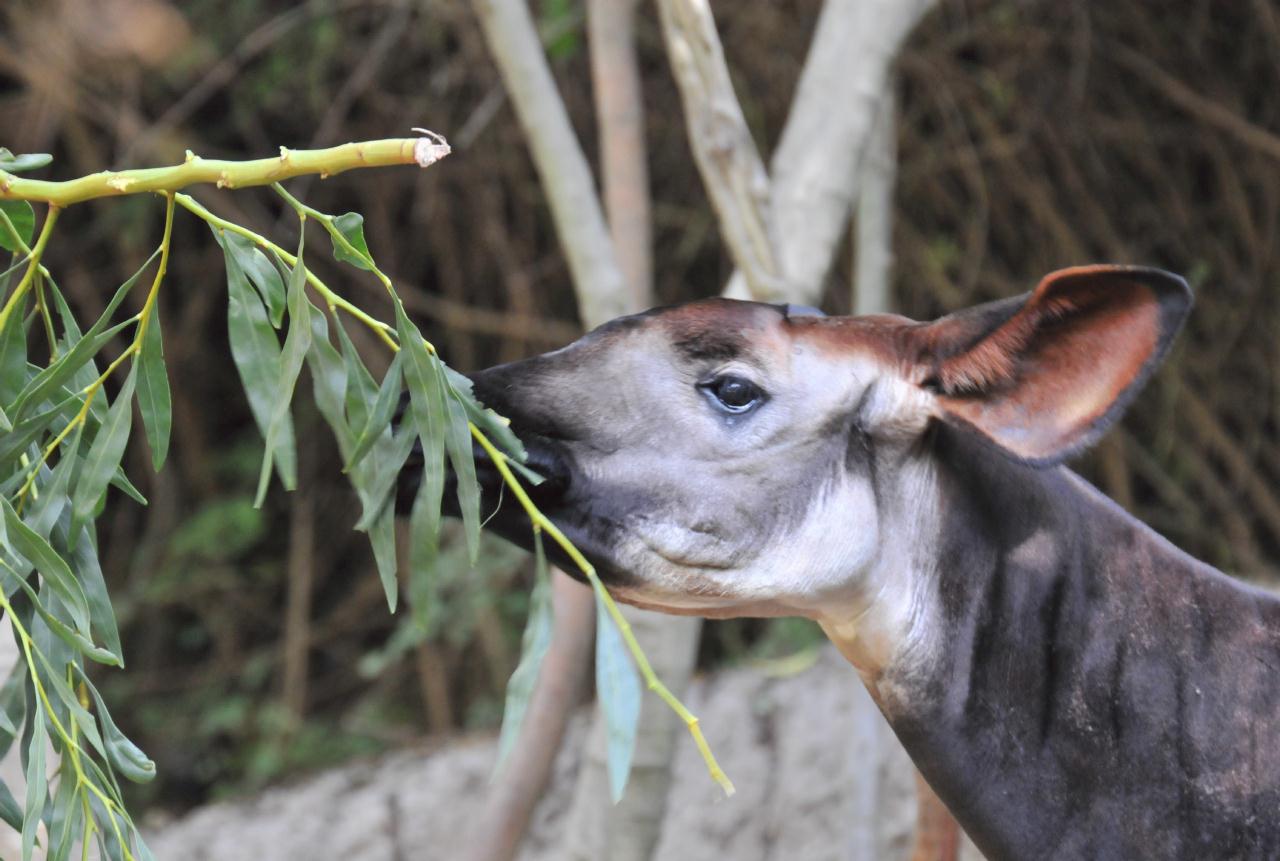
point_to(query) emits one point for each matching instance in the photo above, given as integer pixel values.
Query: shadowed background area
(1032, 135)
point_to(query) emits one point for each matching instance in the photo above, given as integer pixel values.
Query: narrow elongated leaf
(23, 219)
(382, 535)
(13, 354)
(37, 786)
(380, 413)
(72, 638)
(361, 388)
(430, 419)
(125, 756)
(329, 381)
(261, 272)
(104, 455)
(12, 703)
(55, 494)
(458, 442)
(15, 443)
(84, 348)
(376, 475)
(64, 819)
(618, 690)
(10, 812)
(121, 482)
(74, 368)
(84, 562)
(11, 163)
(51, 566)
(154, 401)
(296, 345)
(256, 353)
(533, 648)
(351, 226)
(424, 549)
(494, 426)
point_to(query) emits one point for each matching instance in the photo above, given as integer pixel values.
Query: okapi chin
(1070, 683)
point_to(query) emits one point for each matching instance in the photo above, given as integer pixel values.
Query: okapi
(1069, 683)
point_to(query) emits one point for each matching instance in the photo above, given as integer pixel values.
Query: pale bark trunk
(629, 830)
(557, 156)
(510, 801)
(611, 278)
(873, 229)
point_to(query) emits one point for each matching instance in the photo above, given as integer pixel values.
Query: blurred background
(1030, 136)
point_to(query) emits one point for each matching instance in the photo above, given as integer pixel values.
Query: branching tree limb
(731, 168)
(816, 168)
(605, 289)
(557, 156)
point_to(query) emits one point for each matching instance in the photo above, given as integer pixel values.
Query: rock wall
(818, 773)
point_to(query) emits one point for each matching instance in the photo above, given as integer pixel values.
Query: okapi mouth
(504, 516)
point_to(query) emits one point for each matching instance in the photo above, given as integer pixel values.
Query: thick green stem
(227, 174)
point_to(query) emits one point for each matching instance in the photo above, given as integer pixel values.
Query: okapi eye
(734, 393)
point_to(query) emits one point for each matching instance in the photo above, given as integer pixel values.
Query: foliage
(65, 439)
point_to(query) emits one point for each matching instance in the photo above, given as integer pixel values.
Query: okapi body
(1070, 683)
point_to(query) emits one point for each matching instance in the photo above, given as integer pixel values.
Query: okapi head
(728, 458)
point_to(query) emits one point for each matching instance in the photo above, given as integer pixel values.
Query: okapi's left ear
(1044, 375)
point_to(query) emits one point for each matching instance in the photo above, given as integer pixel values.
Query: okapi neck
(1092, 691)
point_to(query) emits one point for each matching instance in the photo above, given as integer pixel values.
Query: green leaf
(424, 548)
(55, 494)
(125, 756)
(13, 354)
(10, 812)
(104, 455)
(84, 348)
(16, 442)
(121, 482)
(256, 353)
(11, 163)
(64, 819)
(329, 380)
(380, 413)
(37, 785)
(375, 477)
(296, 345)
(458, 442)
(351, 226)
(51, 566)
(154, 401)
(382, 535)
(12, 703)
(537, 637)
(618, 690)
(361, 388)
(72, 638)
(84, 562)
(495, 427)
(23, 219)
(261, 272)
(430, 419)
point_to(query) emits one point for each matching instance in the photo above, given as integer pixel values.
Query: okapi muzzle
(1070, 684)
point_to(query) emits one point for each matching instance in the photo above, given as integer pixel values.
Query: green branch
(422, 151)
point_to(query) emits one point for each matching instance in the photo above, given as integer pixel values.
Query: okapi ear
(1045, 374)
